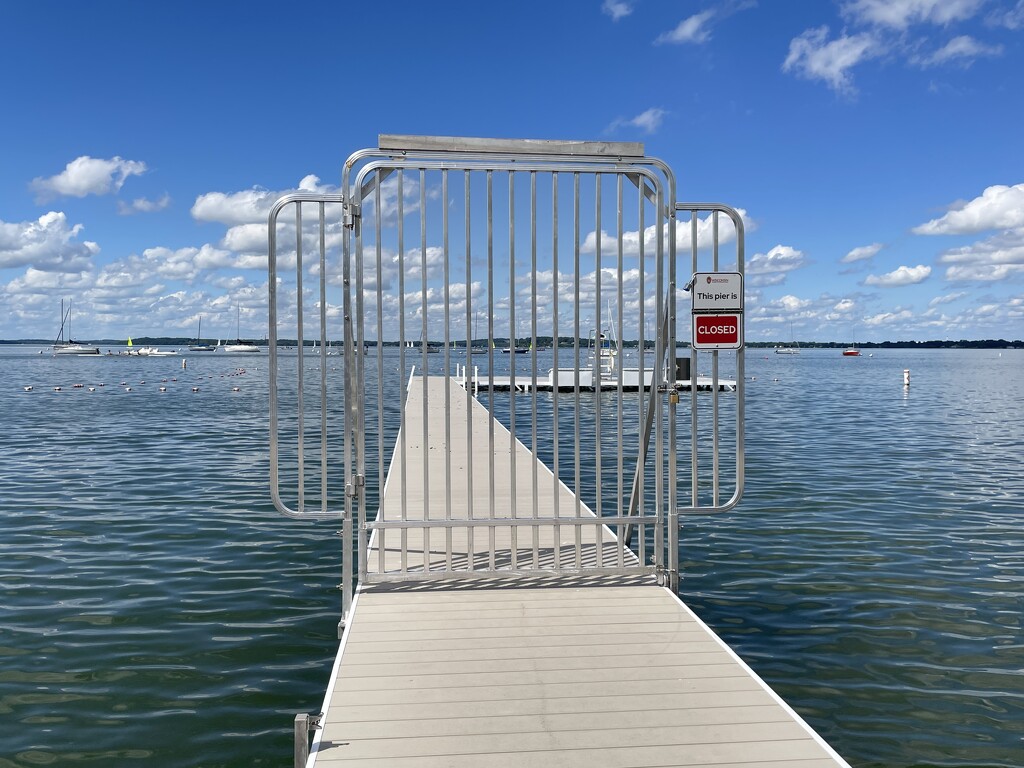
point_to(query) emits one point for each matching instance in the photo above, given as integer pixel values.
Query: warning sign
(718, 331)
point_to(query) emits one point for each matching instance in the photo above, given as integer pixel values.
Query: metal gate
(537, 279)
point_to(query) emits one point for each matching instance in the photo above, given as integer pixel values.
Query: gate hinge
(357, 481)
(350, 214)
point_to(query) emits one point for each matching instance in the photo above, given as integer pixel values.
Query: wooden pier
(543, 670)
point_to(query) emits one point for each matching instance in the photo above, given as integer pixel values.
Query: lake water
(157, 611)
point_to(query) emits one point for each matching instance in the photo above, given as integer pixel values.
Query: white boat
(197, 345)
(134, 351)
(240, 345)
(70, 346)
(794, 349)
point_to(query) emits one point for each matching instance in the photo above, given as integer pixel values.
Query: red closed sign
(717, 331)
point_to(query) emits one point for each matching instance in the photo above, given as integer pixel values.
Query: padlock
(673, 397)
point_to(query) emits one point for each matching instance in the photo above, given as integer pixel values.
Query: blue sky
(874, 146)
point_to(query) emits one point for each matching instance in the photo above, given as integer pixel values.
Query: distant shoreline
(545, 341)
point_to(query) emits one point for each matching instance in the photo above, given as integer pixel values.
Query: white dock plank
(490, 675)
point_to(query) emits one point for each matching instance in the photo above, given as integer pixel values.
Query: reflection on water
(156, 609)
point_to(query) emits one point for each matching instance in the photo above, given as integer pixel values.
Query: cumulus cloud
(48, 244)
(142, 205)
(861, 253)
(186, 263)
(617, 9)
(900, 277)
(87, 176)
(998, 207)
(693, 29)
(814, 57)
(887, 29)
(249, 206)
(779, 260)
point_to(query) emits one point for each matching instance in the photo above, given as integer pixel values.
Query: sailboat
(70, 346)
(240, 345)
(509, 350)
(197, 345)
(793, 349)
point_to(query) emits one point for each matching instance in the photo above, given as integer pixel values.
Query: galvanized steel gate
(541, 277)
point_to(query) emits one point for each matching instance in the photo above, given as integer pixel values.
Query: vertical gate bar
(445, 254)
(714, 378)
(300, 382)
(469, 365)
(596, 362)
(534, 478)
(424, 374)
(641, 471)
(577, 477)
(659, 373)
(514, 533)
(347, 533)
(403, 433)
(671, 519)
(694, 458)
(355, 359)
(323, 365)
(490, 365)
(619, 529)
(352, 406)
(378, 298)
(554, 353)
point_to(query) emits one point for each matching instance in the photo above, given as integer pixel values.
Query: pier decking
(543, 670)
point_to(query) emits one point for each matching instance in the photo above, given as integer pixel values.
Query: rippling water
(156, 610)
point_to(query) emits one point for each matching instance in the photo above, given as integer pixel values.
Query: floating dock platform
(549, 671)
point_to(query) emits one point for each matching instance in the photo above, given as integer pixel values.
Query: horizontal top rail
(462, 145)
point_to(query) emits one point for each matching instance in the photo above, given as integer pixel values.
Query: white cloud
(250, 206)
(999, 207)
(814, 57)
(1011, 19)
(142, 205)
(900, 14)
(861, 253)
(617, 9)
(900, 277)
(649, 120)
(949, 298)
(900, 317)
(963, 49)
(87, 176)
(49, 244)
(983, 273)
(694, 29)
(780, 259)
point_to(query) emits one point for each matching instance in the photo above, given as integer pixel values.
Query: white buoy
(28, 388)
(906, 377)
(163, 389)
(184, 363)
